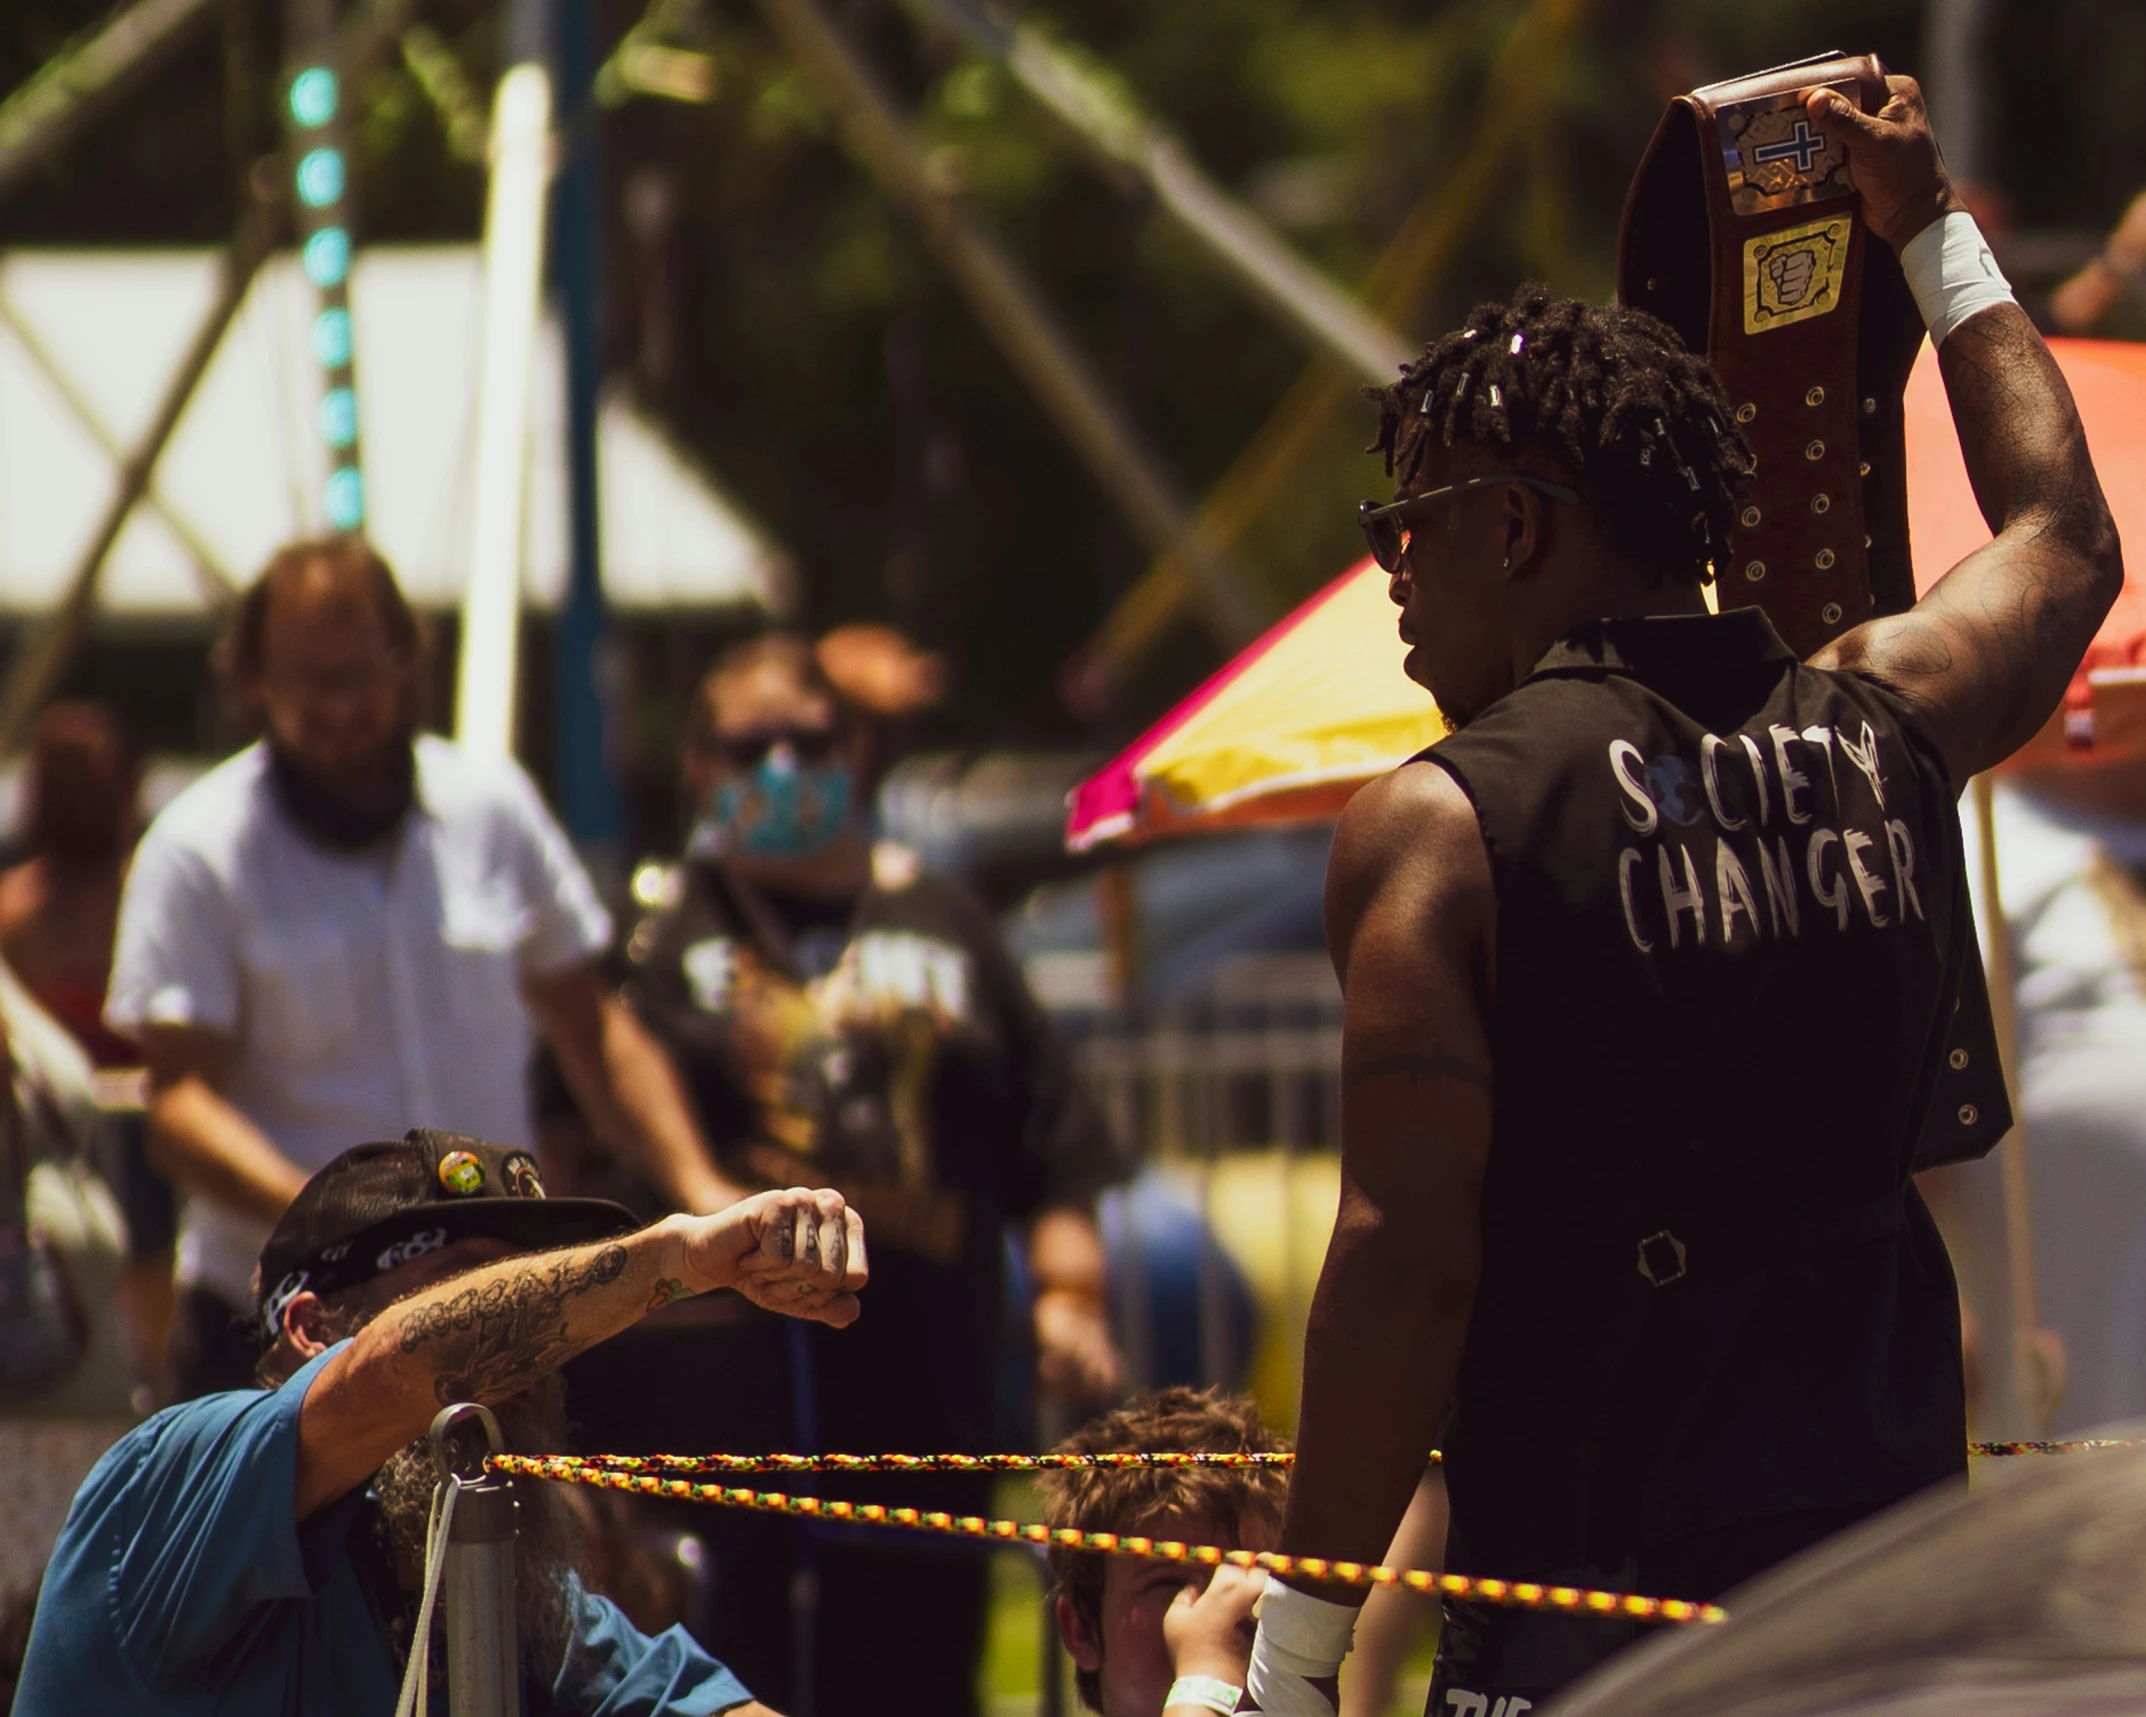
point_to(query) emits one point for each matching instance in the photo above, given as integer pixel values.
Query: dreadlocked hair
(1608, 397)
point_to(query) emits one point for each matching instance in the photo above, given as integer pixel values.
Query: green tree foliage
(771, 304)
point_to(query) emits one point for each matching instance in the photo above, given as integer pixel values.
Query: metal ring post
(483, 1652)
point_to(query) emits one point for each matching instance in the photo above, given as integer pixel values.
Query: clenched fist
(1893, 158)
(795, 1251)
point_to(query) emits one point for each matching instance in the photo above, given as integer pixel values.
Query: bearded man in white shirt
(350, 929)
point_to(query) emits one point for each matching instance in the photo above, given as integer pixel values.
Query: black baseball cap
(380, 1205)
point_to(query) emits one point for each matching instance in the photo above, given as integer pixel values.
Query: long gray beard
(551, 1539)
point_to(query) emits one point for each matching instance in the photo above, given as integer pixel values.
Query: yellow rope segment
(1119, 1459)
(2080, 1445)
(1517, 1594)
(1114, 1459)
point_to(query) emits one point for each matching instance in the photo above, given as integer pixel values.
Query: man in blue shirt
(258, 1551)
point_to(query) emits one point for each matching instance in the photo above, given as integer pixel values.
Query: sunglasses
(1385, 525)
(811, 746)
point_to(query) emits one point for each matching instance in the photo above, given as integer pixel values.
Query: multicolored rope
(1516, 1594)
(2078, 1445)
(655, 1475)
(674, 1464)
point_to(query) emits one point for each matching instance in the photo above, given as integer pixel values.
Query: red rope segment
(1516, 1594)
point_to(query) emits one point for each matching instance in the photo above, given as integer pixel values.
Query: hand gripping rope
(645, 1475)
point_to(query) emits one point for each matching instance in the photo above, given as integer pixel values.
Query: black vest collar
(1667, 643)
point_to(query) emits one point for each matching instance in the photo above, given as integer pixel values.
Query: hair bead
(1608, 389)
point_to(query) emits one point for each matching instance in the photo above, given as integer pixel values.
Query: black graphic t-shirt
(1737, 1001)
(889, 1048)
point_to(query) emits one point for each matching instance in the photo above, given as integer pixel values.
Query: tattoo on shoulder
(1917, 649)
(1418, 1068)
(505, 1332)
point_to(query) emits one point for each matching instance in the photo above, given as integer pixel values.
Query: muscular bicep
(1985, 657)
(1411, 924)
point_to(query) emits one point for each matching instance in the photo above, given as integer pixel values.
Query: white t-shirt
(2082, 1093)
(369, 993)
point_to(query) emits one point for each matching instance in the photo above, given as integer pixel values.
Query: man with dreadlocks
(1648, 969)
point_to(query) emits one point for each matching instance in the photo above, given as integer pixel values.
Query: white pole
(513, 293)
(1956, 80)
(2030, 1404)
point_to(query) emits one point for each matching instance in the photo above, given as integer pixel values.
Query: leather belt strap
(1742, 232)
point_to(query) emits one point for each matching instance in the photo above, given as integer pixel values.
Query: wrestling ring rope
(645, 1475)
(1117, 1459)
(1519, 1594)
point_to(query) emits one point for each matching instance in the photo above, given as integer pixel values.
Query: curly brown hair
(1133, 1499)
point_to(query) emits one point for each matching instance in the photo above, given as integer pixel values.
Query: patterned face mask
(782, 808)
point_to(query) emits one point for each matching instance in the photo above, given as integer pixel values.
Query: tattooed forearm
(1418, 1068)
(509, 1328)
(667, 1290)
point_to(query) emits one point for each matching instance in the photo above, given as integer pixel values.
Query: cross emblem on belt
(1802, 146)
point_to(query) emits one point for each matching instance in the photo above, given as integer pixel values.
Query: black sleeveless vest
(1738, 999)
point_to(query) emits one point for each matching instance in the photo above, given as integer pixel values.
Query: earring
(1508, 563)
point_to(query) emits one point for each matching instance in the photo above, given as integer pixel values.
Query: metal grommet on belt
(1969, 1114)
(1661, 1258)
(1958, 1059)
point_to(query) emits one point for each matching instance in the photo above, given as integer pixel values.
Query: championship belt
(1742, 232)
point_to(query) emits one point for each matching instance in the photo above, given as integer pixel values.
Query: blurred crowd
(352, 928)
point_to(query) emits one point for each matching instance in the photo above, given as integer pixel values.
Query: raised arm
(1986, 656)
(1410, 922)
(489, 1333)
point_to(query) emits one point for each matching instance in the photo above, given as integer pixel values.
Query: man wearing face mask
(838, 1013)
(350, 929)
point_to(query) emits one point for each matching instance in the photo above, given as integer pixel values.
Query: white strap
(1950, 270)
(415, 1691)
(1206, 1691)
(1301, 1639)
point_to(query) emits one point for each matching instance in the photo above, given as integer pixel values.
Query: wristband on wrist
(1205, 1691)
(1301, 1639)
(1950, 270)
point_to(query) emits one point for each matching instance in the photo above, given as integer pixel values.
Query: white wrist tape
(1301, 1639)
(1205, 1691)
(1952, 274)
